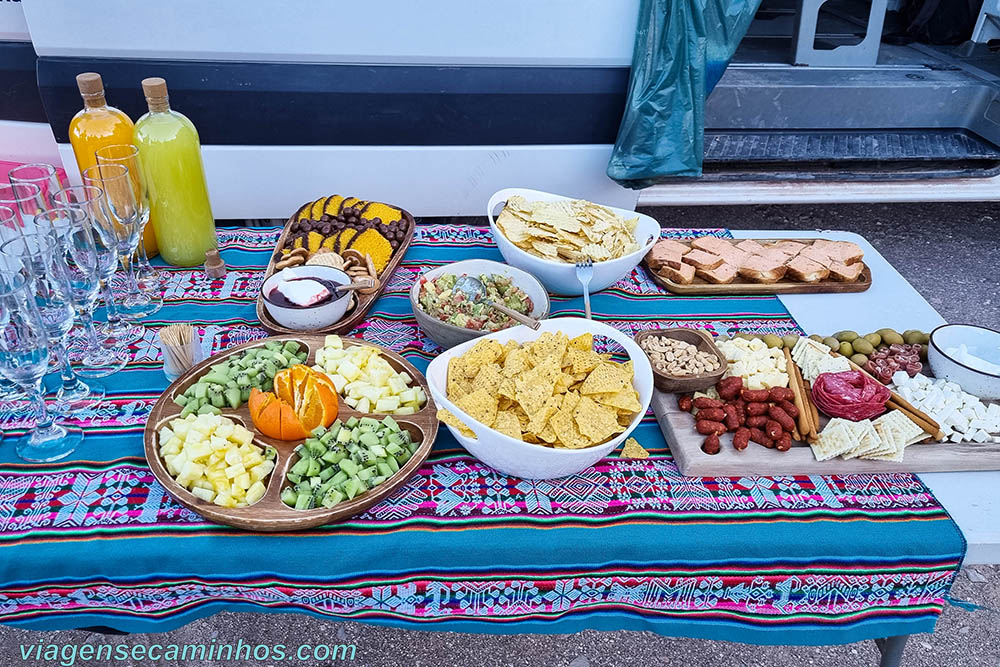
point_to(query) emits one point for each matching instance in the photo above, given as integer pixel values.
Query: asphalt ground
(949, 252)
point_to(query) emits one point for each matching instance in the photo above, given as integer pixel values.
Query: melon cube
(387, 404)
(255, 493)
(350, 371)
(207, 495)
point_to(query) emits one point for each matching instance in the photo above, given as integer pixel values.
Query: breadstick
(803, 420)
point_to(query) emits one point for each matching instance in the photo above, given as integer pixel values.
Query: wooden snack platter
(700, 286)
(363, 302)
(269, 514)
(685, 446)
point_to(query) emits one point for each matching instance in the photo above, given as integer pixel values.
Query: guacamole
(439, 299)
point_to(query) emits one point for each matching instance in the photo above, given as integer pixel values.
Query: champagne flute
(74, 256)
(150, 280)
(24, 359)
(116, 330)
(35, 257)
(40, 174)
(10, 228)
(123, 221)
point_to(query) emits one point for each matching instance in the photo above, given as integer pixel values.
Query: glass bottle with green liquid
(178, 197)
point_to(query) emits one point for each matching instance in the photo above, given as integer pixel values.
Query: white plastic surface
(970, 497)
(560, 277)
(522, 459)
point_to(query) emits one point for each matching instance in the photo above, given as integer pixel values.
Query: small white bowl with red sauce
(307, 318)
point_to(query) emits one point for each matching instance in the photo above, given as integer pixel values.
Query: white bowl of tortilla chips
(581, 405)
(546, 234)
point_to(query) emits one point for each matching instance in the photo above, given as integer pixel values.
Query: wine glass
(40, 174)
(123, 225)
(24, 359)
(150, 280)
(35, 256)
(116, 331)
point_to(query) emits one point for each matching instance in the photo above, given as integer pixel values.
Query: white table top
(970, 497)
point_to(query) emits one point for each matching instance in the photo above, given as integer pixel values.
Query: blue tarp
(682, 48)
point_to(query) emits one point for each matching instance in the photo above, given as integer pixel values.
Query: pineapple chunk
(387, 404)
(225, 500)
(225, 429)
(333, 341)
(233, 456)
(235, 471)
(243, 481)
(241, 435)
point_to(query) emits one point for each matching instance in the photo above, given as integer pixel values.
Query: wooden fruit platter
(741, 286)
(270, 514)
(685, 446)
(362, 302)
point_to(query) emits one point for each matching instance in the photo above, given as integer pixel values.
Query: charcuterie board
(742, 286)
(685, 446)
(270, 513)
(362, 302)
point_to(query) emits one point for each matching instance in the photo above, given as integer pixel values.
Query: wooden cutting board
(685, 446)
(700, 286)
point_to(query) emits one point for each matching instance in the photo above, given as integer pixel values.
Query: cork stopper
(91, 88)
(215, 267)
(155, 90)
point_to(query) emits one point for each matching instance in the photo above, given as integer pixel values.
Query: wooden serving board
(700, 286)
(363, 302)
(685, 446)
(269, 514)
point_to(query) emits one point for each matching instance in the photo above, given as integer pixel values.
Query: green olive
(773, 341)
(816, 337)
(874, 338)
(859, 359)
(924, 338)
(862, 346)
(912, 336)
(883, 332)
(892, 338)
(831, 343)
(847, 349)
(923, 352)
(846, 336)
(790, 340)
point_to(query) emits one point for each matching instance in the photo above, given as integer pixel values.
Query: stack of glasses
(59, 250)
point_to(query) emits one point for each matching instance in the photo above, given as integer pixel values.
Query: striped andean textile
(95, 541)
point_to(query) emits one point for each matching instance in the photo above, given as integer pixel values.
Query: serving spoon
(475, 291)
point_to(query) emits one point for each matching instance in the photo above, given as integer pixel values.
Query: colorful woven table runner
(628, 544)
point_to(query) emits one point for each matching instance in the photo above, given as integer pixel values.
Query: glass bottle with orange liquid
(98, 125)
(178, 196)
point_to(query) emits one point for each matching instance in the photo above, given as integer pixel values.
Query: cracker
(834, 440)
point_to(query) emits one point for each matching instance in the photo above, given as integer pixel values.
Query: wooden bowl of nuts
(683, 360)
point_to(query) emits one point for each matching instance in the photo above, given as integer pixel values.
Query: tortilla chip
(626, 400)
(584, 342)
(541, 417)
(609, 377)
(596, 422)
(489, 378)
(508, 424)
(480, 405)
(633, 450)
(486, 351)
(449, 418)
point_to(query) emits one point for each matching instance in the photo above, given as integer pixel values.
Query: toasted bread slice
(732, 255)
(723, 274)
(760, 269)
(848, 252)
(700, 259)
(805, 270)
(660, 256)
(790, 248)
(683, 275)
(846, 273)
(673, 245)
(750, 247)
(816, 255)
(712, 244)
